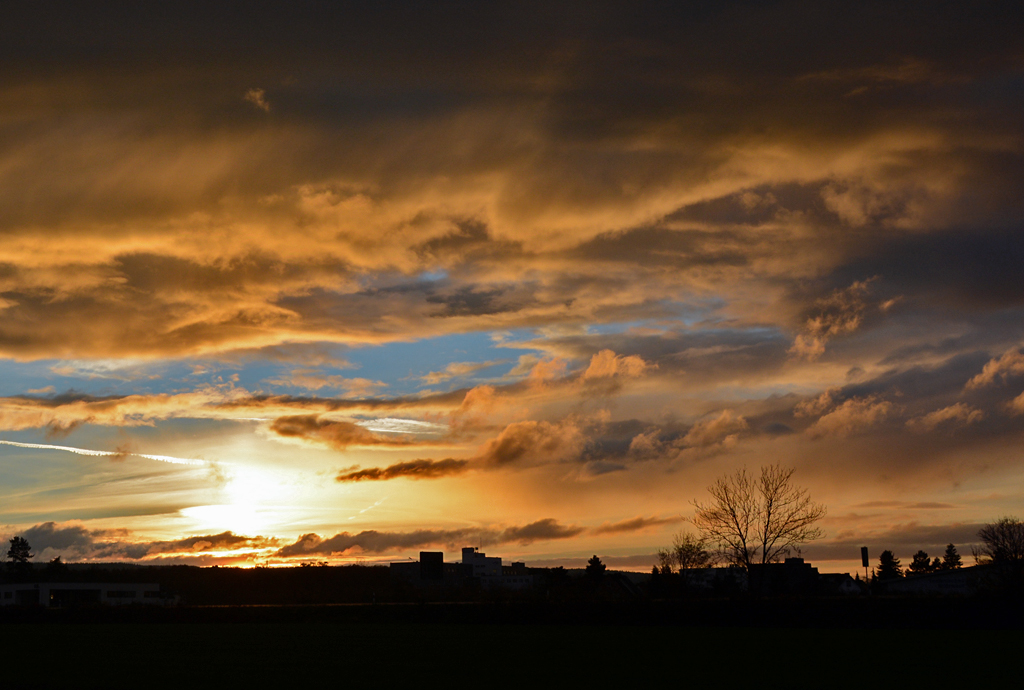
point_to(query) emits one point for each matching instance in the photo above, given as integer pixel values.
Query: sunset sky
(318, 281)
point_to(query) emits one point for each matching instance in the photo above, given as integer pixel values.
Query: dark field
(326, 654)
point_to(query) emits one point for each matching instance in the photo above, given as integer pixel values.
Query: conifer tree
(920, 564)
(20, 551)
(888, 566)
(951, 559)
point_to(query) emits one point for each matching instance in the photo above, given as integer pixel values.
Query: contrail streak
(352, 517)
(103, 453)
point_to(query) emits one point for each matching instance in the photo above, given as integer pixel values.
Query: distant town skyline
(346, 282)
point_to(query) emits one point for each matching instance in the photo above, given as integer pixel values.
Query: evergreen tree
(888, 566)
(921, 563)
(595, 568)
(951, 559)
(20, 552)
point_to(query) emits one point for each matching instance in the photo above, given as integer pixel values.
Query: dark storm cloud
(925, 411)
(922, 383)
(541, 530)
(754, 207)
(599, 448)
(923, 389)
(469, 301)
(695, 208)
(372, 541)
(593, 447)
(336, 434)
(526, 149)
(413, 469)
(602, 72)
(634, 525)
(77, 541)
(49, 536)
(469, 241)
(702, 355)
(964, 267)
(662, 246)
(154, 272)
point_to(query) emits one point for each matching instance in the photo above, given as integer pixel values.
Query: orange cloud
(457, 370)
(957, 414)
(532, 442)
(311, 379)
(723, 429)
(839, 313)
(817, 406)
(258, 97)
(853, 416)
(606, 364)
(1011, 363)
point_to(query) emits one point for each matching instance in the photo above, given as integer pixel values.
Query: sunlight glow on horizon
(538, 283)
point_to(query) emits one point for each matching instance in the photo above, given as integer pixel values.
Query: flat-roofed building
(477, 569)
(79, 593)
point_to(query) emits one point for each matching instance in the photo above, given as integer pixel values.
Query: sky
(310, 281)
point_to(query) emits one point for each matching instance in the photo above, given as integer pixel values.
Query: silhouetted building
(709, 580)
(795, 577)
(79, 593)
(476, 570)
(429, 571)
(792, 576)
(432, 565)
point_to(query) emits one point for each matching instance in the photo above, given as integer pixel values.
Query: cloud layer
(564, 261)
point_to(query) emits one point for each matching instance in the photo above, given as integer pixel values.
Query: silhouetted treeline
(358, 584)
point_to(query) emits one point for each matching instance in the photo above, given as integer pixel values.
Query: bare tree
(688, 552)
(1003, 541)
(691, 552)
(758, 520)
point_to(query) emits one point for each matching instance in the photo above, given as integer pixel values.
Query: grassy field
(134, 655)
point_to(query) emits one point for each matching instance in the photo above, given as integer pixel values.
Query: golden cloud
(852, 416)
(1010, 363)
(957, 414)
(606, 364)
